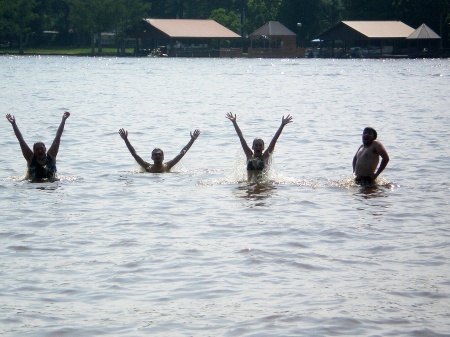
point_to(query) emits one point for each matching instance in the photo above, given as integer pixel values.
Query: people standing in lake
(366, 159)
(257, 160)
(158, 165)
(41, 164)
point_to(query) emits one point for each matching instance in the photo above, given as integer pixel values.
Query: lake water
(108, 250)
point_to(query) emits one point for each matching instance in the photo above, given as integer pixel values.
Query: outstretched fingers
(10, 118)
(195, 134)
(230, 116)
(286, 120)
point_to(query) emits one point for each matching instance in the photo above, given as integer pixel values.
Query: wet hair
(157, 149)
(36, 144)
(371, 130)
(257, 140)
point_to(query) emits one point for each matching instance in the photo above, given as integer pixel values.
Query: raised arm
(247, 150)
(54, 148)
(384, 159)
(26, 151)
(271, 146)
(185, 149)
(124, 134)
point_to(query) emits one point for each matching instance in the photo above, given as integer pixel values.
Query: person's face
(367, 137)
(158, 156)
(40, 150)
(258, 147)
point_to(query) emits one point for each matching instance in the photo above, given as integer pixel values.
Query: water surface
(198, 252)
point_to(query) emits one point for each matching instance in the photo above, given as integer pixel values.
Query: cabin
(183, 38)
(424, 42)
(273, 40)
(366, 39)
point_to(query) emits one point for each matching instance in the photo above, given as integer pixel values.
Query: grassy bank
(82, 51)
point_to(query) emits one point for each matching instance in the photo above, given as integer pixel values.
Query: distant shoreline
(81, 51)
(129, 52)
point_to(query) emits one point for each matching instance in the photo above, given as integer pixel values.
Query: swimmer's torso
(255, 164)
(256, 168)
(366, 161)
(39, 171)
(154, 169)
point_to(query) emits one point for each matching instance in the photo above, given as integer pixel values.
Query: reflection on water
(48, 187)
(256, 191)
(377, 190)
(373, 201)
(369, 192)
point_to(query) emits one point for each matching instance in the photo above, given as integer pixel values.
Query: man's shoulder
(377, 144)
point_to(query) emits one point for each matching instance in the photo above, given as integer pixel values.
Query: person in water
(158, 165)
(258, 159)
(41, 164)
(366, 159)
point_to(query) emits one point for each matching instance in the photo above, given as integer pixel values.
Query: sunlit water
(199, 252)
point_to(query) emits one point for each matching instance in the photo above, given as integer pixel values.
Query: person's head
(369, 135)
(258, 146)
(157, 155)
(39, 149)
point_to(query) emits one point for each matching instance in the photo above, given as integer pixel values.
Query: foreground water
(198, 252)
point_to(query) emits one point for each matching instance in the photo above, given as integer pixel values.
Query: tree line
(77, 22)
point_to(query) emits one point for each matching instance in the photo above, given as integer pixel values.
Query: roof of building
(357, 30)
(272, 28)
(186, 28)
(423, 32)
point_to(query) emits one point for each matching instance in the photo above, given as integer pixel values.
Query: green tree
(431, 12)
(125, 14)
(371, 10)
(17, 19)
(259, 12)
(229, 19)
(92, 17)
(200, 9)
(314, 16)
(166, 9)
(53, 16)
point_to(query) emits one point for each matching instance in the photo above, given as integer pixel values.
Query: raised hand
(195, 134)
(66, 115)
(286, 120)
(231, 117)
(123, 133)
(11, 119)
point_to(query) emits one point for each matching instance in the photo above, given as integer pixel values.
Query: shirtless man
(367, 157)
(257, 160)
(158, 165)
(41, 164)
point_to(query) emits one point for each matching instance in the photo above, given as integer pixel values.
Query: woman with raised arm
(41, 164)
(258, 159)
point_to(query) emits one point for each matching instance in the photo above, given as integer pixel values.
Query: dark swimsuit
(255, 164)
(364, 181)
(37, 171)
